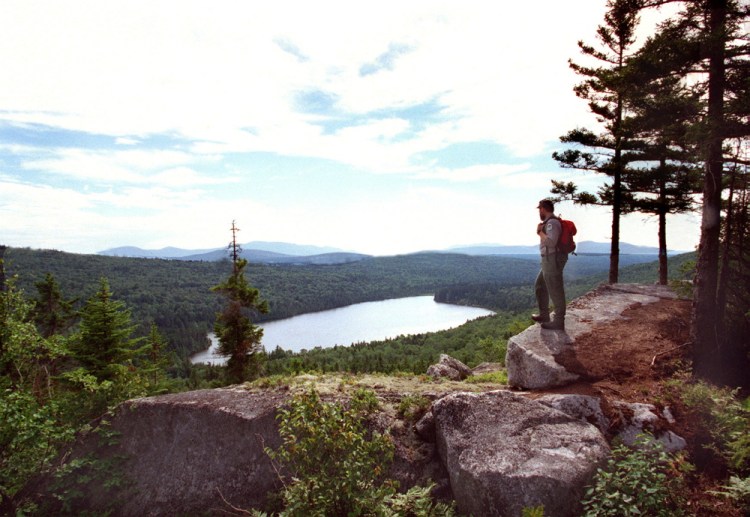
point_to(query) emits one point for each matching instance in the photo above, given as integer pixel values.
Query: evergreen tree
(239, 338)
(155, 362)
(608, 91)
(52, 313)
(733, 296)
(664, 111)
(108, 357)
(705, 42)
(104, 344)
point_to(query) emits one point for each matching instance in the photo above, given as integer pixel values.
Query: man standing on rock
(549, 282)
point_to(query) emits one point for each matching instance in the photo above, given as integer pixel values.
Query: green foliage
(682, 284)
(103, 343)
(31, 425)
(474, 342)
(176, 295)
(536, 511)
(737, 490)
(155, 362)
(499, 377)
(495, 348)
(643, 480)
(336, 469)
(52, 313)
(26, 358)
(239, 338)
(416, 502)
(52, 385)
(80, 478)
(112, 365)
(413, 407)
(30, 437)
(364, 402)
(719, 411)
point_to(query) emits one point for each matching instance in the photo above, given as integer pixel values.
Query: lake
(362, 322)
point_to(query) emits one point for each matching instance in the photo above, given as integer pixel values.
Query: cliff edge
(494, 449)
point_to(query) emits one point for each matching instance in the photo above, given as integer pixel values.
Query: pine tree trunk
(614, 253)
(705, 326)
(663, 264)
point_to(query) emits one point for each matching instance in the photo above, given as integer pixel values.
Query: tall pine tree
(706, 44)
(53, 314)
(239, 338)
(664, 173)
(607, 90)
(104, 345)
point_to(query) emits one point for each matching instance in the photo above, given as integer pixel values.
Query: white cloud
(159, 167)
(207, 72)
(503, 173)
(232, 77)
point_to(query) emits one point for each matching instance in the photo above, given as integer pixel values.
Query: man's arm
(549, 232)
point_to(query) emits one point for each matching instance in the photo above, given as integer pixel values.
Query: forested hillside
(480, 340)
(176, 294)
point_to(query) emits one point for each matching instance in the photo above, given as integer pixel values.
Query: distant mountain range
(286, 253)
(256, 251)
(584, 247)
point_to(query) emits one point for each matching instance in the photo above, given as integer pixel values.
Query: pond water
(362, 322)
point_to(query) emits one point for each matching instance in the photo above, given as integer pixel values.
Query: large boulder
(504, 452)
(189, 453)
(531, 355)
(449, 367)
(530, 359)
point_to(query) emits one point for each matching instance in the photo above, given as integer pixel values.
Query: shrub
(738, 490)
(337, 467)
(726, 419)
(644, 480)
(412, 407)
(416, 503)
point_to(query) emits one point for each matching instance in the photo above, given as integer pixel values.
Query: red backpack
(566, 244)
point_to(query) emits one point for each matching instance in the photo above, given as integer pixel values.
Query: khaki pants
(549, 284)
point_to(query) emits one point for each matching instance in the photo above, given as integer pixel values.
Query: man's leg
(553, 274)
(542, 298)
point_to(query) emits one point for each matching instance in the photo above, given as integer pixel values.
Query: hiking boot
(540, 318)
(556, 324)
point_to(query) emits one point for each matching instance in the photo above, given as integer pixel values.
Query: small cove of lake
(362, 322)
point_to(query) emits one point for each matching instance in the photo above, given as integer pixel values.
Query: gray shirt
(552, 231)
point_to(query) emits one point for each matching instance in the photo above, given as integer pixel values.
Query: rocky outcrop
(450, 368)
(627, 420)
(183, 454)
(530, 358)
(504, 452)
(199, 452)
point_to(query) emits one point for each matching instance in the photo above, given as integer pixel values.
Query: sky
(378, 127)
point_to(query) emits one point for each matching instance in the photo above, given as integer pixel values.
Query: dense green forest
(175, 295)
(480, 340)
